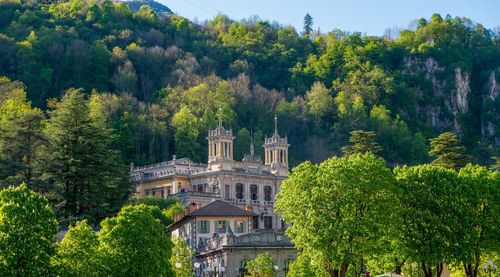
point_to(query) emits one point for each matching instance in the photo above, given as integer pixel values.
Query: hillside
(162, 81)
(158, 8)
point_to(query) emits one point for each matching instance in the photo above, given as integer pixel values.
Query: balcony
(243, 201)
(268, 203)
(255, 201)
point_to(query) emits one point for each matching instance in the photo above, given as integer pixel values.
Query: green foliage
(429, 204)
(186, 134)
(183, 255)
(362, 142)
(341, 225)
(134, 243)
(172, 211)
(261, 266)
(20, 137)
(448, 151)
(77, 253)
(88, 174)
(27, 233)
(479, 210)
(308, 23)
(307, 265)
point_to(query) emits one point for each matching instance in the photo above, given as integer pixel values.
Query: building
(230, 214)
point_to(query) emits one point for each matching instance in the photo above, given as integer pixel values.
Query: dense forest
(159, 83)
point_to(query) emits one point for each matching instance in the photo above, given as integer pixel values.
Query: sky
(371, 17)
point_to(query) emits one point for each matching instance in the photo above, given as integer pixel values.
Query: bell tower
(276, 152)
(220, 144)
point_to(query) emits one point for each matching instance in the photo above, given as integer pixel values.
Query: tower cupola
(220, 143)
(276, 151)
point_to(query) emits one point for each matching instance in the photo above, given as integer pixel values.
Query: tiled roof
(220, 208)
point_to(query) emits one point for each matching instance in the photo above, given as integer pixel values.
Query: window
(162, 193)
(267, 193)
(239, 225)
(203, 227)
(239, 191)
(169, 191)
(227, 192)
(255, 222)
(147, 192)
(221, 226)
(200, 188)
(153, 192)
(268, 222)
(254, 192)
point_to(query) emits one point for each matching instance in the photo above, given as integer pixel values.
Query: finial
(220, 117)
(275, 124)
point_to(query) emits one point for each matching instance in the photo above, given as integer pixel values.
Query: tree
(429, 212)
(172, 211)
(479, 228)
(448, 151)
(134, 243)
(27, 233)
(182, 255)
(319, 101)
(342, 225)
(307, 265)
(186, 134)
(77, 253)
(362, 142)
(261, 266)
(20, 138)
(81, 162)
(308, 24)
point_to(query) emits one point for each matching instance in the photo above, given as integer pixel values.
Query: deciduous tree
(27, 233)
(341, 223)
(261, 266)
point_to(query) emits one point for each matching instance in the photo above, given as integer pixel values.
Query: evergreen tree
(20, 138)
(448, 151)
(362, 142)
(308, 24)
(88, 174)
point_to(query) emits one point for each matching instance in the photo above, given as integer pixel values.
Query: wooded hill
(159, 83)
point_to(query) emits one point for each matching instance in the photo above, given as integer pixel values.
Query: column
(209, 150)
(231, 150)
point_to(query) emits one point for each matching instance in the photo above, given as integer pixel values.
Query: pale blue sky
(367, 16)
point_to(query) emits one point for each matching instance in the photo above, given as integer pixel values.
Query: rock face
(448, 97)
(490, 119)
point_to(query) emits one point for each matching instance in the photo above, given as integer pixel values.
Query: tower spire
(275, 125)
(252, 150)
(220, 117)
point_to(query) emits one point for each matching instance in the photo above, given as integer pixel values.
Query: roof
(216, 208)
(220, 208)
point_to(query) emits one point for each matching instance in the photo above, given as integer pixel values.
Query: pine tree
(362, 142)
(89, 175)
(308, 24)
(448, 151)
